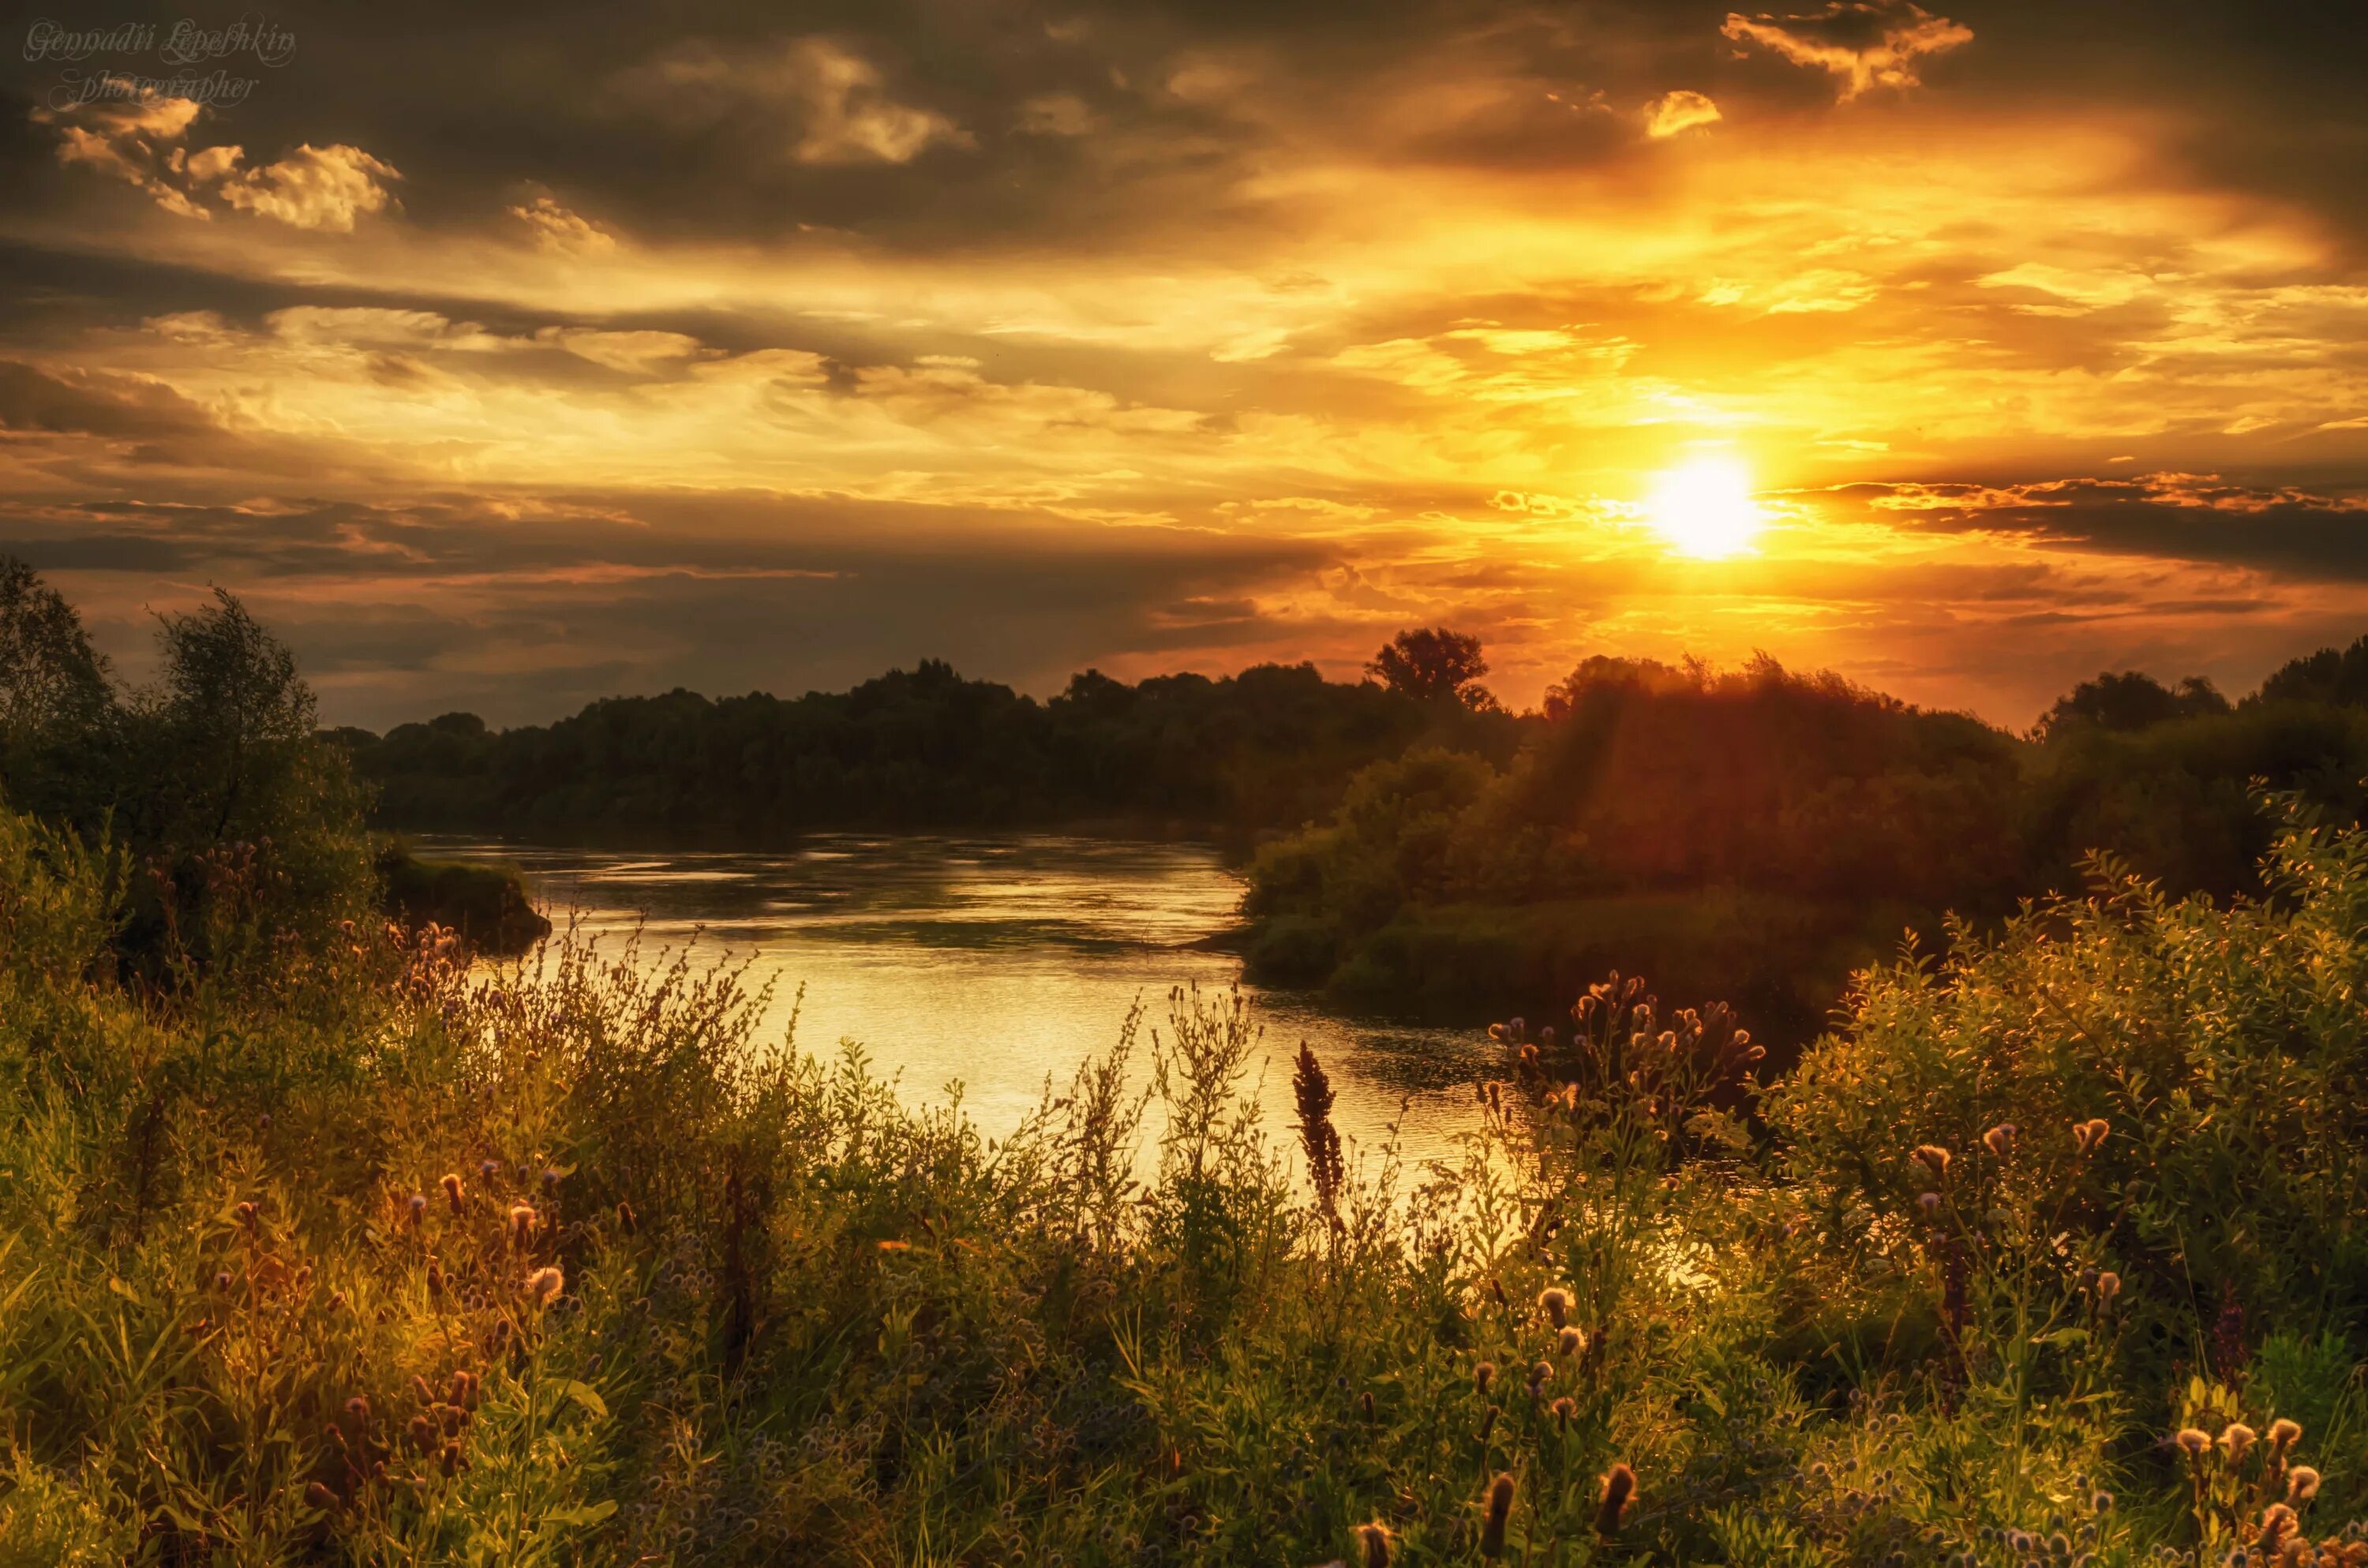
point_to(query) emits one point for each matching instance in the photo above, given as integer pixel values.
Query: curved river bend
(993, 962)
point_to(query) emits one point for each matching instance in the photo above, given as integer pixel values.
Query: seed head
(2090, 1136)
(1564, 1410)
(544, 1284)
(1934, 1159)
(2000, 1140)
(1556, 1304)
(1571, 1342)
(1619, 1488)
(2195, 1443)
(1541, 1373)
(452, 1192)
(1482, 1376)
(523, 1221)
(1500, 1512)
(2103, 1503)
(2283, 1434)
(2301, 1484)
(1373, 1542)
(2276, 1520)
(2236, 1440)
(2109, 1285)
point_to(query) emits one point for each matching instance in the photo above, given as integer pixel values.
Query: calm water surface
(993, 962)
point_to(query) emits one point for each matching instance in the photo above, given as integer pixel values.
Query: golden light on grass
(1704, 508)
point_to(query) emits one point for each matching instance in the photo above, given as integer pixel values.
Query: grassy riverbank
(365, 1259)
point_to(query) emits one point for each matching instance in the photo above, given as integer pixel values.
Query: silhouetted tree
(2127, 702)
(2328, 676)
(1433, 664)
(57, 702)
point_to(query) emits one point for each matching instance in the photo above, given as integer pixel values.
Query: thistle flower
(420, 1391)
(2276, 1520)
(626, 1220)
(221, 1281)
(1571, 1342)
(1496, 1289)
(2109, 1285)
(2195, 1443)
(1619, 1489)
(1564, 1410)
(359, 1407)
(450, 1461)
(550, 1178)
(488, 1169)
(523, 1219)
(2090, 1136)
(415, 1206)
(1929, 1203)
(1365, 1404)
(1556, 1304)
(1541, 1373)
(2301, 1484)
(435, 1278)
(452, 1192)
(543, 1286)
(1500, 1513)
(2103, 1503)
(422, 1433)
(320, 1498)
(1934, 1159)
(2000, 1140)
(2236, 1440)
(246, 1215)
(1482, 1376)
(2283, 1434)
(1374, 1541)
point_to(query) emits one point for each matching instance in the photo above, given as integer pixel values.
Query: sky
(502, 358)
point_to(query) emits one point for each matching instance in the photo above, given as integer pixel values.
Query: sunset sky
(502, 365)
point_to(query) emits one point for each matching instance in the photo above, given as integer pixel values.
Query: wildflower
(1619, 1489)
(1564, 1410)
(1482, 1376)
(435, 1280)
(523, 1219)
(416, 1204)
(625, 1217)
(2193, 1443)
(2283, 1434)
(1500, 1513)
(2236, 1440)
(1571, 1342)
(550, 1178)
(2276, 1520)
(1496, 1289)
(1365, 1404)
(420, 1391)
(2090, 1136)
(2000, 1140)
(1374, 1541)
(2109, 1285)
(450, 1461)
(488, 1169)
(464, 1389)
(1541, 1374)
(1934, 1159)
(543, 1285)
(245, 1213)
(320, 1498)
(1556, 1304)
(1929, 1203)
(422, 1433)
(2301, 1484)
(2103, 1503)
(221, 1281)
(453, 1193)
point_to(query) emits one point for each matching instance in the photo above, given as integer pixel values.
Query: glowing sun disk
(1704, 508)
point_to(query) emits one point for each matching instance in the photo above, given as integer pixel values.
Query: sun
(1704, 508)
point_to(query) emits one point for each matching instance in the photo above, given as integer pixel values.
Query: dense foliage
(2057, 1252)
(924, 748)
(1766, 833)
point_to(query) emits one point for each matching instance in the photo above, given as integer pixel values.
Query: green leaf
(590, 1514)
(586, 1396)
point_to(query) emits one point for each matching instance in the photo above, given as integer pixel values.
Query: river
(993, 963)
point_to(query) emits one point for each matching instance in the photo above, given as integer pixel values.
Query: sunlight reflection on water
(995, 961)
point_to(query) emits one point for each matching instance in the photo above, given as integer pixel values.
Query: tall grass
(370, 1256)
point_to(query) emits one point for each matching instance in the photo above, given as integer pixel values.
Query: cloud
(1866, 43)
(138, 137)
(1680, 111)
(555, 228)
(315, 188)
(815, 97)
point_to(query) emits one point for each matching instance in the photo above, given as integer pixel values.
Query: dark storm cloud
(2283, 531)
(522, 609)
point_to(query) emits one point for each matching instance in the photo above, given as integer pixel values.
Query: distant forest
(1411, 846)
